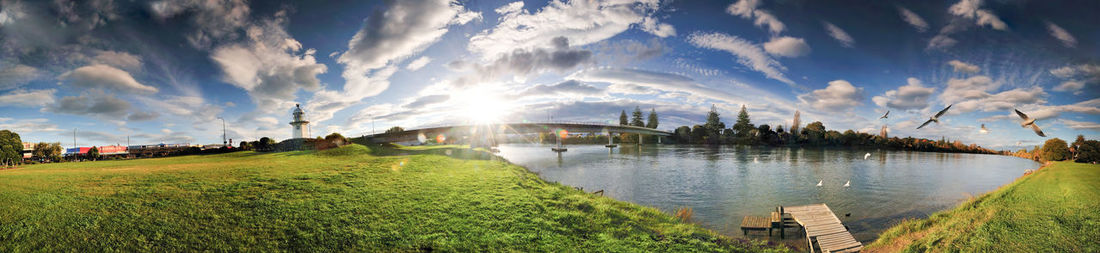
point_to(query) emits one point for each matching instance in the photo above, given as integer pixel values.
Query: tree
(41, 150)
(636, 118)
(1089, 152)
(713, 125)
(683, 134)
(11, 148)
(1055, 150)
(245, 145)
(395, 129)
(93, 153)
(1076, 145)
(622, 119)
(54, 152)
(815, 133)
(652, 121)
(744, 125)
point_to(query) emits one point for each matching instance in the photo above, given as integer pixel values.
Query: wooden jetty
(824, 228)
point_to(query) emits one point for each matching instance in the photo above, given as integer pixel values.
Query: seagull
(868, 155)
(819, 183)
(1030, 121)
(754, 160)
(984, 130)
(884, 115)
(848, 184)
(935, 118)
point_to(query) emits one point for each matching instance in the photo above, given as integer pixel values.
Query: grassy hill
(1056, 209)
(347, 199)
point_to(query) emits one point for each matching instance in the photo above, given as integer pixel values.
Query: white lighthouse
(301, 125)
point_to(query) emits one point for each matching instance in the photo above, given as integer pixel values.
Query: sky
(173, 71)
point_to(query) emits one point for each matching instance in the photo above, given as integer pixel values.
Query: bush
(1055, 150)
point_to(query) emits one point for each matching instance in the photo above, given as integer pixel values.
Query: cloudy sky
(169, 71)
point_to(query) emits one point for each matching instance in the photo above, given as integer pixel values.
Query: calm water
(724, 184)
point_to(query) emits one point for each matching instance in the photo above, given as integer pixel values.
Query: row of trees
(1081, 150)
(714, 132)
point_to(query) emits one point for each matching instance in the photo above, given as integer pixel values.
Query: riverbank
(1051, 210)
(351, 198)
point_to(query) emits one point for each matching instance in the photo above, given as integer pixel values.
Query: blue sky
(169, 71)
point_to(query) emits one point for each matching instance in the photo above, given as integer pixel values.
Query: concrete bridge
(487, 134)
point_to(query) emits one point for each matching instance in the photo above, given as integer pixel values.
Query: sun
(481, 107)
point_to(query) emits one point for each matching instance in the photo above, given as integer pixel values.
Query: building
(301, 125)
(28, 150)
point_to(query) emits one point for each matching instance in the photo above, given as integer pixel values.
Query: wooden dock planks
(822, 226)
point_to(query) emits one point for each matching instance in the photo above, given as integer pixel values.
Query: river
(723, 184)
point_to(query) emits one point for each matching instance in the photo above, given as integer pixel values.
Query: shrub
(1088, 152)
(684, 214)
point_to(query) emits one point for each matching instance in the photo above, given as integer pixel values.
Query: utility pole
(74, 138)
(371, 124)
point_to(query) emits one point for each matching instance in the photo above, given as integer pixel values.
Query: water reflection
(723, 184)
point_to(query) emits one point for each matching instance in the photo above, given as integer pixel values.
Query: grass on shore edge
(1054, 209)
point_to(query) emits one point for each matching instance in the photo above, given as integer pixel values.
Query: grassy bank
(1052, 210)
(347, 199)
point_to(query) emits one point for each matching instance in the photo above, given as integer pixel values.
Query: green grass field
(347, 199)
(1056, 209)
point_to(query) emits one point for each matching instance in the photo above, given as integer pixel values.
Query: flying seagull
(935, 118)
(868, 155)
(984, 130)
(1030, 121)
(848, 184)
(884, 115)
(819, 183)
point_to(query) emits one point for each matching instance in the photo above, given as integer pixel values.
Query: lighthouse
(301, 125)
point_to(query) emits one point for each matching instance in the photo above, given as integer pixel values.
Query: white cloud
(839, 34)
(581, 22)
(191, 107)
(787, 47)
(912, 96)
(977, 93)
(975, 87)
(747, 9)
(11, 12)
(122, 60)
(24, 126)
(650, 25)
(15, 75)
(107, 77)
(1081, 125)
(747, 54)
(1062, 35)
(33, 98)
(963, 67)
(1071, 85)
(418, 63)
(92, 103)
(941, 41)
(213, 20)
(971, 9)
(913, 19)
(400, 30)
(521, 63)
(568, 87)
(840, 95)
(1077, 77)
(270, 65)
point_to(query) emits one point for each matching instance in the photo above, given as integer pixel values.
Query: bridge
(489, 132)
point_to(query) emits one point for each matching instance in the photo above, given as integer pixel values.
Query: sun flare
(482, 107)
